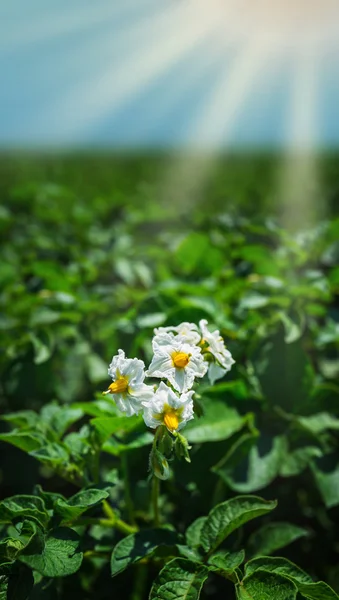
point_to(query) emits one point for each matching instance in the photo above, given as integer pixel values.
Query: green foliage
(181, 579)
(139, 545)
(95, 254)
(228, 516)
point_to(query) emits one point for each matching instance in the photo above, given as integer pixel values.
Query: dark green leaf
(180, 579)
(273, 536)
(230, 515)
(266, 586)
(75, 506)
(60, 557)
(21, 507)
(138, 545)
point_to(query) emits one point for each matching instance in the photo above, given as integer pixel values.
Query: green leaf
(193, 532)
(107, 426)
(218, 423)
(60, 557)
(328, 484)
(138, 545)
(318, 423)
(25, 440)
(273, 536)
(266, 586)
(227, 562)
(260, 469)
(59, 418)
(180, 579)
(285, 568)
(30, 535)
(52, 454)
(131, 442)
(230, 515)
(22, 419)
(298, 460)
(76, 505)
(23, 506)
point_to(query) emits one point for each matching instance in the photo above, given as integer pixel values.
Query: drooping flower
(189, 331)
(169, 409)
(128, 388)
(177, 361)
(215, 344)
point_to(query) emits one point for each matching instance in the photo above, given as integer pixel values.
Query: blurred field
(98, 250)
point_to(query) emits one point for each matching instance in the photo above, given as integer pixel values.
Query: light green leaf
(298, 460)
(218, 423)
(25, 440)
(230, 515)
(21, 507)
(227, 562)
(261, 470)
(273, 536)
(266, 586)
(328, 484)
(59, 418)
(76, 505)
(52, 454)
(42, 352)
(138, 545)
(285, 568)
(193, 532)
(96, 368)
(108, 426)
(60, 557)
(138, 440)
(180, 579)
(22, 419)
(318, 423)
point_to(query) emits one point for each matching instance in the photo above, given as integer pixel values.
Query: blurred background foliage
(97, 251)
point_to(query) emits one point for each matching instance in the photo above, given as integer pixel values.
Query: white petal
(215, 372)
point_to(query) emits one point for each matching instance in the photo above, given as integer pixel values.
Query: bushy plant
(128, 483)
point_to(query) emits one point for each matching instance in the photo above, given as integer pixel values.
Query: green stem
(127, 488)
(140, 582)
(155, 500)
(122, 526)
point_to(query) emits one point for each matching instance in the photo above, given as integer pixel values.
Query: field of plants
(229, 490)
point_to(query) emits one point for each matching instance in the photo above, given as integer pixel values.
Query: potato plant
(202, 459)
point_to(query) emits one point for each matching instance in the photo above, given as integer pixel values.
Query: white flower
(216, 346)
(167, 408)
(177, 361)
(189, 331)
(128, 387)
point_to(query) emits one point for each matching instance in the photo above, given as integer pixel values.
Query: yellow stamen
(180, 359)
(118, 387)
(171, 420)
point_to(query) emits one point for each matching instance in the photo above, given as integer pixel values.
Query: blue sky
(165, 73)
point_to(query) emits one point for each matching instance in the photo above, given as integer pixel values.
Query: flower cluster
(180, 355)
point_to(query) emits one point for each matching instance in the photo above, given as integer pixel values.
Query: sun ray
(299, 178)
(189, 172)
(47, 26)
(157, 50)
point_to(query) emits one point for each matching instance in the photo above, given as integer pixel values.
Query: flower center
(171, 420)
(180, 359)
(119, 386)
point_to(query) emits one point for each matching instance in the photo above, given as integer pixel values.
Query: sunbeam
(189, 173)
(299, 178)
(161, 49)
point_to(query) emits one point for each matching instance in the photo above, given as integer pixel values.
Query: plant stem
(127, 488)
(155, 500)
(140, 582)
(122, 526)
